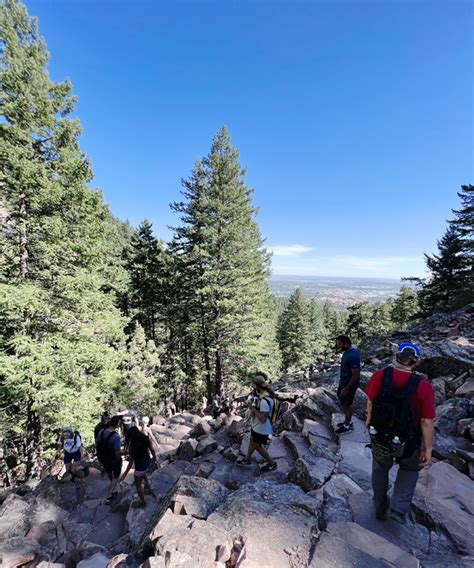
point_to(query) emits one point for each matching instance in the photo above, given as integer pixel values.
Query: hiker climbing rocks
(400, 413)
(71, 443)
(216, 406)
(108, 454)
(260, 410)
(141, 451)
(203, 406)
(104, 423)
(349, 380)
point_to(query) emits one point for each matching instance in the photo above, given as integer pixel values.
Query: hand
(344, 392)
(425, 458)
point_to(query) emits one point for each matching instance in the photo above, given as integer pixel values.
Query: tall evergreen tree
(335, 324)
(223, 267)
(450, 274)
(294, 333)
(147, 267)
(405, 307)
(318, 331)
(60, 333)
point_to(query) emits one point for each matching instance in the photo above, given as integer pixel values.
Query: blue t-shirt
(350, 360)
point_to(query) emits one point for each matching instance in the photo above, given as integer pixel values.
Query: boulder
(316, 428)
(444, 498)
(154, 562)
(291, 422)
(118, 561)
(310, 473)
(206, 445)
(297, 445)
(14, 560)
(358, 434)
(336, 510)
(290, 519)
(320, 402)
(449, 413)
(187, 450)
(197, 497)
(14, 517)
(348, 545)
(439, 386)
(356, 463)
(202, 428)
(340, 486)
(99, 560)
(169, 524)
(205, 469)
(466, 428)
(466, 389)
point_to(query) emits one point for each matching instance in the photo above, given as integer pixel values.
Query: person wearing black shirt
(104, 423)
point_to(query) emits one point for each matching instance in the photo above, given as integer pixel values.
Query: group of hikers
(400, 413)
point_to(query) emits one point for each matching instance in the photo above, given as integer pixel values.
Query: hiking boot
(396, 516)
(339, 424)
(138, 504)
(111, 498)
(344, 429)
(382, 510)
(269, 467)
(243, 463)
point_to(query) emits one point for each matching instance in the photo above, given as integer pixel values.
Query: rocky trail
(313, 511)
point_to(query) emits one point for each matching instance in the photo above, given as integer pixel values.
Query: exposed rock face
(314, 510)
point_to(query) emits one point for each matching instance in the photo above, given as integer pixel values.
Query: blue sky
(353, 118)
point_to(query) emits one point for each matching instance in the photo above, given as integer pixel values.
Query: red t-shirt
(422, 402)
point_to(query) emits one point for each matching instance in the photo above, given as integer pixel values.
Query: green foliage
(222, 270)
(61, 334)
(144, 384)
(404, 308)
(294, 333)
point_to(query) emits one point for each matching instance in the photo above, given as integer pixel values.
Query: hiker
(104, 423)
(143, 426)
(400, 413)
(348, 382)
(71, 442)
(216, 406)
(140, 450)
(108, 454)
(260, 409)
(203, 406)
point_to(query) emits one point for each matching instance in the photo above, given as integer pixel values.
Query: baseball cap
(409, 346)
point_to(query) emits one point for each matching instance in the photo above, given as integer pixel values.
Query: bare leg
(140, 491)
(250, 451)
(263, 452)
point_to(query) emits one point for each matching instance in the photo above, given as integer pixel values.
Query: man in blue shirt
(349, 380)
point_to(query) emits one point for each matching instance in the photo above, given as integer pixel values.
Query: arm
(262, 416)
(369, 413)
(125, 473)
(427, 433)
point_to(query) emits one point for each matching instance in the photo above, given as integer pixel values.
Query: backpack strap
(412, 384)
(270, 404)
(387, 381)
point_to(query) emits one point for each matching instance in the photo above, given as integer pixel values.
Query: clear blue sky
(353, 118)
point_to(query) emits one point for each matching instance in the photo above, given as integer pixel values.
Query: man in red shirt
(416, 452)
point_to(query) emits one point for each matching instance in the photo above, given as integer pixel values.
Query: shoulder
(425, 388)
(265, 404)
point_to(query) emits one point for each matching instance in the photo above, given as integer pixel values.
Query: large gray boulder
(444, 498)
(449, 413)
(197, 496)
(310, 473)
(14, 517)
(348, 545)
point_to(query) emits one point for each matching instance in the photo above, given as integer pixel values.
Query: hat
(260, 381)
(68, 429)
(409, 346)
(145, 420)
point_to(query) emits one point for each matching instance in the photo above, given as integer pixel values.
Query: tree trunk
(207, 360)
(218, 372)
(24, 255)
(33, 443)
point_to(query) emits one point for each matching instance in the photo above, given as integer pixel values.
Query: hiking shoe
(396, 516)
(269, 467)
(339, 424)
(243, 463)
(344, 429)
(382, 510)
(111, 498)
(139, 504)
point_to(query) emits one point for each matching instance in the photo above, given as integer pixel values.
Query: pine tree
(450, 275)
(405, 307)
(318, 330)
(60, 332)
(294, 334)
(147, 266)
(335, 324)
(144, 386)
(464, 223)
(223, 267)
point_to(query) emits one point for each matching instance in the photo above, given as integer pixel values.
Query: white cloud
(357, 266)
(289, 250)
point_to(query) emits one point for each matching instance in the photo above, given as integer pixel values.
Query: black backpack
(391, 408)
(105, 452)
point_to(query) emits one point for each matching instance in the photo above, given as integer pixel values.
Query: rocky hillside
(313, 511)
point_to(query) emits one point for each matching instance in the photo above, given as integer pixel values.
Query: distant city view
(339, 290)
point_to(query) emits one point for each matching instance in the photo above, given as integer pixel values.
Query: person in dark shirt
(349, 380)
(104, 423)
(140, 450)
(108, 453)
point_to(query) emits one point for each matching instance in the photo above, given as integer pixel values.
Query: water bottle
(397, 446)
(372, 431)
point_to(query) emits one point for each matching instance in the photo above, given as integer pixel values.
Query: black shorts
(261, 439)
(349, 398)
(114, 469)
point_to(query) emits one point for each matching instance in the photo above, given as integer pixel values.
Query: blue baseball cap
(411, 346)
